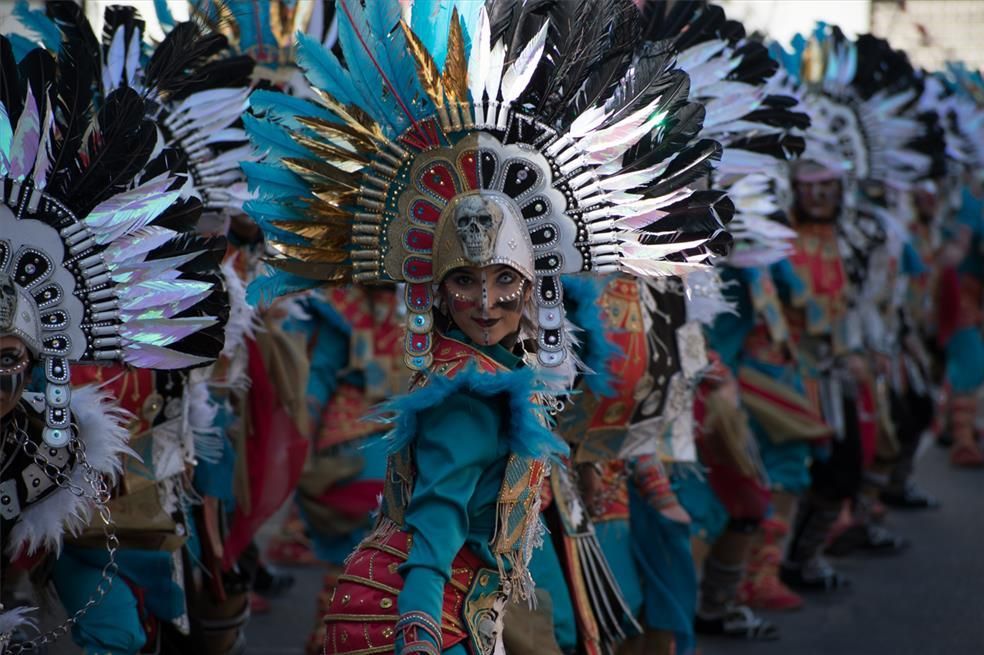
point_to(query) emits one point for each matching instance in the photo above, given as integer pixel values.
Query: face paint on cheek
(461, 303)
(11, 383)
(513, 301)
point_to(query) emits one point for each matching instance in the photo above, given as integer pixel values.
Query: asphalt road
(925, 602)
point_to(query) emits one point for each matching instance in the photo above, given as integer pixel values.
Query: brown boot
(965, 452)
(762, 588)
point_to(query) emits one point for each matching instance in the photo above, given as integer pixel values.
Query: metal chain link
(101, 495)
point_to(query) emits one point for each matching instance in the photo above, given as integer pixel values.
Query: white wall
(782, 19)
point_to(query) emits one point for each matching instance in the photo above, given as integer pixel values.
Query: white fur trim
(243, 322)
(102, 427)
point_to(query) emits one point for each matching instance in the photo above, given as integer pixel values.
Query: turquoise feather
(431, 21)
(39, 24)
(595, 350)
(528, 436)
(324, 71)
(273, 181)
(401, 69)
(164, 15)
(265, 213)
(20, 45)
(272, 139)
(6, 140)
(363, 73)
(265, 290)
(285, 109)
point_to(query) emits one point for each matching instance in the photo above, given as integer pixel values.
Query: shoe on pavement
(815, 575)
(739, 622)
(909, 497)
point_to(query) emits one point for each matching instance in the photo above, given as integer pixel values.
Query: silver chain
(101, 495)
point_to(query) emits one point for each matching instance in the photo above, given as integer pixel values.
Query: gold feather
(309, 254)
(333, 196)
(325, 272)
(455, 64)
(339, 134)
(330, 236)
(355, 117)
(320, 172)
(326, 214)
(427, 72)
(329, 151)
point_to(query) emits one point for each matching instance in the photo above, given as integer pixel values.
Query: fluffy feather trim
(598, 353)
(13, 619)
(202, 413)
(102, 429)
(529, 434)
(242, 323)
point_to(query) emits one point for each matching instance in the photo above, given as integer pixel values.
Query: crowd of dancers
(558, 326)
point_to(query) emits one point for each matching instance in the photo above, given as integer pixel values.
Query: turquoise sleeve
(455, 443)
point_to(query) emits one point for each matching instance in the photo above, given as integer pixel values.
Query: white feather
(496, 60)
(521, 71)
(102, 428)
(478, 64)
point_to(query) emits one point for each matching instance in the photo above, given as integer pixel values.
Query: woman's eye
(506, 278)
(9, 357)
(463, 280)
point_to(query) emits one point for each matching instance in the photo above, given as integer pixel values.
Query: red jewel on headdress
(416, 269)
(418, 343)
(468, 163)
(419, 240)
(438, 179)
(419, 297)
(423, 211)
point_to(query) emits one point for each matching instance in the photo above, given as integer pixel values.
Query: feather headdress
(750, 107)
(557, 107)
(862, 96)
(266, 31)
(195, 88)
(93, 223)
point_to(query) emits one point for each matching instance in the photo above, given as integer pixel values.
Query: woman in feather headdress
(97, 268)
(861, 136)
(736, 101)
(175, 428)
(476, 153)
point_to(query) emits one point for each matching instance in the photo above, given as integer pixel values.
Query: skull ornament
(477, 220)
(8, 303)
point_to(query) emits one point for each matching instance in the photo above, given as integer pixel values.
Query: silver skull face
(8, 302)
(477, 221)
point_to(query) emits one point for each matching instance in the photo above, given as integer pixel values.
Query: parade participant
(755, 120)
(856, 106)
(184, 451)
(446, 190)
(99, 270)
(355, 341)
(960, 316)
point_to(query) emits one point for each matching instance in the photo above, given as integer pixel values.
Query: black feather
(614, 63)
(229, 72)
(176, 61)
(665, 142)
(37, 73)
(116, 18)
(10, 93)
(78, 60)
(691, 164)
(117, 146)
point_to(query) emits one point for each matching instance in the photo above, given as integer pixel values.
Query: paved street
(926, 602)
